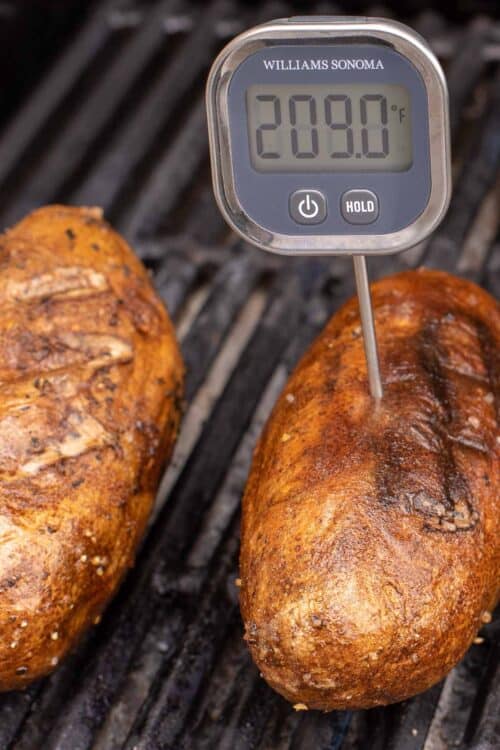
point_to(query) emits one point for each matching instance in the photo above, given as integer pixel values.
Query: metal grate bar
(466, 69)
(106, 182)
(180, 162)
(485, 723)
(174, 279)
(45, 708)
(56, 166)
(230, 289)
(14, 709)
(491, 279)
(26, 126)
(176, 693)
(457, 698)
(478, 176)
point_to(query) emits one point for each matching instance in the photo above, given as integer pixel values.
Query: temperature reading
(329, 128)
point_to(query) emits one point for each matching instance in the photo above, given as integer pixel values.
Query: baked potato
(370, 551)
(90, 391)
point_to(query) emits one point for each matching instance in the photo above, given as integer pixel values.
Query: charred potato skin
(91, 381)
(370, 550)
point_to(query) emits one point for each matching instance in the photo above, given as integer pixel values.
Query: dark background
(33, 31)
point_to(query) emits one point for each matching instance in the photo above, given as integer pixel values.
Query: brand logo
(357, 64)
(324, 64)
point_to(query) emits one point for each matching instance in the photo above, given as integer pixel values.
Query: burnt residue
(459, 511)
(449, 507)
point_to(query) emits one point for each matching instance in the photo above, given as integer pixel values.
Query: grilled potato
(90, 386)
(371, 531)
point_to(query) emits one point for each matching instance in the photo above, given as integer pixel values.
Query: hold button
(359, 206)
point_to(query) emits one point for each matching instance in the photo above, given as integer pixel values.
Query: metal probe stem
(368, 325)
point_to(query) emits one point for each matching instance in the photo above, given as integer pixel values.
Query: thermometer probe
(330, 136)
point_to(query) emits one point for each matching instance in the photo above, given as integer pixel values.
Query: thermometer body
(331, 136)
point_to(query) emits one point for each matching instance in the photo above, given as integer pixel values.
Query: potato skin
(370, 549)
(90, 387)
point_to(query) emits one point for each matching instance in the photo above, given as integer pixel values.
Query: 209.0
(337, 112)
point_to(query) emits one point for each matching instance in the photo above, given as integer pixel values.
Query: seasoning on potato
(91, 381)
(371, 537)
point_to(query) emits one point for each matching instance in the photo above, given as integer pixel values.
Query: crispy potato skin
(371, 532)
(90, 387)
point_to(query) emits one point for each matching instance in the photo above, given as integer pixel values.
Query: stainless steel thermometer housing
(339, 187)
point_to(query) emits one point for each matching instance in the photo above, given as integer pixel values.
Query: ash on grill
(119, 122)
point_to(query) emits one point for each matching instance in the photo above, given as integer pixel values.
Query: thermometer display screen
(329, 128)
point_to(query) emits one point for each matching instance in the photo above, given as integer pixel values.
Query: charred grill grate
(119, 122)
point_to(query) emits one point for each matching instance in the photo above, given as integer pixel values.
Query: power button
(308, 206)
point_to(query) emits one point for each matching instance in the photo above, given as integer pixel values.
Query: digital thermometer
(331, 136)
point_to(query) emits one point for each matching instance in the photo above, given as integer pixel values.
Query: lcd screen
(325, 128)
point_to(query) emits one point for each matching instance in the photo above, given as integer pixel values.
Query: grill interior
(118, 121)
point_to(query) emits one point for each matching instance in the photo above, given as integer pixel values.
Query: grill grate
(119, 121)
